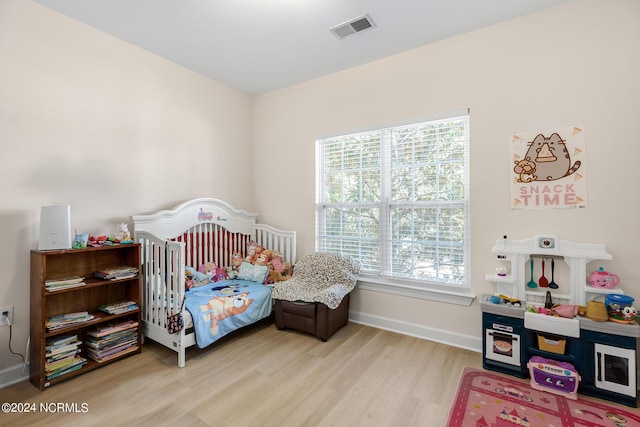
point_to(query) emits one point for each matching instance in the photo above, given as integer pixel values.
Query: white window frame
(436, 291)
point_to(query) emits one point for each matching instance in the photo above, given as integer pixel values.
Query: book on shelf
(58, 348)
(100, 343)
(61, 341)
(108, 341)
(62, 356)
(101, 331)
(65, 320)
(120, 272)
(79, 363)
(119, 307)
(61, 350)
(113, 356)
(112, 349)
(65, 283)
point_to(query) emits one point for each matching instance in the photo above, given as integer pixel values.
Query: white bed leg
(181, 357)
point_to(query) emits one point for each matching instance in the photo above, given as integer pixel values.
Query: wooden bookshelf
(59, 264)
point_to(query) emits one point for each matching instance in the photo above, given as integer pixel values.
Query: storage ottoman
(311, 317)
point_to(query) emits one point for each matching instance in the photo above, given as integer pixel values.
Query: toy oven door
(615, 369)
(502, 345)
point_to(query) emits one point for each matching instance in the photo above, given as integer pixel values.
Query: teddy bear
(236, 260)
(256, 253)
(262, 259)
(279, 271)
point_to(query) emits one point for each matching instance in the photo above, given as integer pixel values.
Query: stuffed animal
(208, 268)
(236, 260)
(203, 275)
(285, 274)
(231, 273)
(220, 274)
(270, 254)
(251, 249)
(257, 251)
(277, 265)
(262, 259)
(123, 232)
(188, 280)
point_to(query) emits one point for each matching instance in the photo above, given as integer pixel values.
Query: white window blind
(397, 199)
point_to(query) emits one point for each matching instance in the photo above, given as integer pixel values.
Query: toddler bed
(202, 232)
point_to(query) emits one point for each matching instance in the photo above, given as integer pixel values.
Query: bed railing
(281, 241)
(161, 269)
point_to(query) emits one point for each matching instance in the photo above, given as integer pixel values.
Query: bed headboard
(211, 230)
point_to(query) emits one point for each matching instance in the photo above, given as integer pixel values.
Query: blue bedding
(224, 306)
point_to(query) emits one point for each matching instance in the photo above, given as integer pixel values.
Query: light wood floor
(261, 376)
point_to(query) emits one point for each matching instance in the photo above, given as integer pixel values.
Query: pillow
(254, 273)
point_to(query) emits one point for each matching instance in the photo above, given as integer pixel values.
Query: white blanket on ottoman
(319, 277)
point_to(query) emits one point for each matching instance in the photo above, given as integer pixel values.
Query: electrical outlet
(6, 319)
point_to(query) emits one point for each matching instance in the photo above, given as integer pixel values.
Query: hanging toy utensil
(543, 282)
(531, 283)
(552, 284)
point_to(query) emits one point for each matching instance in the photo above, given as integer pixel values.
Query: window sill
(429, 292)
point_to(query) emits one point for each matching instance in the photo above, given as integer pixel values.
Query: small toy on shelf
(620, 308)
(122, 234)
(97, 241)
(603, 279)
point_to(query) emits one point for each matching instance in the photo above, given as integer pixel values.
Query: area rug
(489, 399)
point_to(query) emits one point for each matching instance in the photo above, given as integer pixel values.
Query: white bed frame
(194, 232)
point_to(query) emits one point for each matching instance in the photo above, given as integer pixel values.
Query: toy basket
(551, 343)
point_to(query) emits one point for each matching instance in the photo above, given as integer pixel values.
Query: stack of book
(66, 283)
(121, 272)
(111, 340)
(64, 320)
(62, 356)
(119, 307)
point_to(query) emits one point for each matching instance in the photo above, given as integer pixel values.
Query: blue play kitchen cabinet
(603, 352)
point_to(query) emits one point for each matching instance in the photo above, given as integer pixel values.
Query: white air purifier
(55, 228)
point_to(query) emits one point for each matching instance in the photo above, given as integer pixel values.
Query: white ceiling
(257, 46)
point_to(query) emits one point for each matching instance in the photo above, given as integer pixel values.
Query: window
(397, 199)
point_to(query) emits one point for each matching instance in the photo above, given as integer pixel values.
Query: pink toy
(555, 377)
(542, 310)
(602, 279)
(566, 310)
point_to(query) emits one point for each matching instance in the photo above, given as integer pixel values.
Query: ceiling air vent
(352, 27)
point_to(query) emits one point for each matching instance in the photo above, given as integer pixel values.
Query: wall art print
(548, 169)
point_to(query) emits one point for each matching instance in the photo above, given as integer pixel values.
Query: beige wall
(91, 121)
(577, 64)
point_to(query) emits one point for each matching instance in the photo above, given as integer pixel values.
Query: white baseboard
(13, 374)
(442, 336)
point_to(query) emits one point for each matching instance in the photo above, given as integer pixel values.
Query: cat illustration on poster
(547, 159)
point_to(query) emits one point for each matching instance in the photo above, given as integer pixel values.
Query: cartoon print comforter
(222, 307)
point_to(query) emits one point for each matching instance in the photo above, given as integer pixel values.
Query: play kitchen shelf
(520, 253)
(603, 352)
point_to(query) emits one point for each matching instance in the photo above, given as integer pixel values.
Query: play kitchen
(539, 321)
